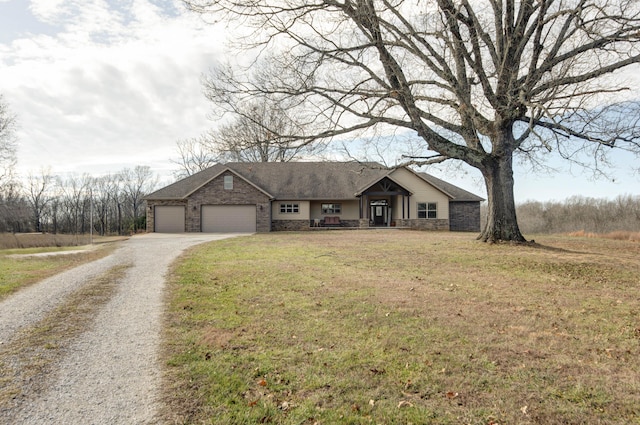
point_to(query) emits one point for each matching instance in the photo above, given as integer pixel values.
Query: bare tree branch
(463, 75)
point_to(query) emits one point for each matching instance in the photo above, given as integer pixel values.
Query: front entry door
(379, 212)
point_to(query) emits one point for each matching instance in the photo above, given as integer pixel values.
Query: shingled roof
(456, 193)
(301, 180)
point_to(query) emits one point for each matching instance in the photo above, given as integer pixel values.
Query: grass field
(400, 327)
(50, 240)
(19, 267)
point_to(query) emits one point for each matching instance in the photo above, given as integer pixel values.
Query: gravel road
(110, 374)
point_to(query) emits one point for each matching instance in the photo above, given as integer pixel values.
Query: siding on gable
(350, 210)
(422, 192)
(303, 213)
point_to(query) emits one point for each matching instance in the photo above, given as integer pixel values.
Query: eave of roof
(181, 188)
(304, 181)
(224, 170)
(374, 182)
(456, 193)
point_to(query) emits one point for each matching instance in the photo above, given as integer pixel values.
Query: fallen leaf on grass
(262, 383)
(404, 403)
(451, 395)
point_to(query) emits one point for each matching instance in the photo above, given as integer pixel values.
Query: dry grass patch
(404, 327)
(46, 240)
(23, 267)
(621, 235)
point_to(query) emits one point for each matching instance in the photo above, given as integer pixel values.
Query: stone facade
(464, 216)
(423, 224)
(290, 225)
(299, 225)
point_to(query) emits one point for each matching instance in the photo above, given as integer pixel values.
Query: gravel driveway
(110, 373)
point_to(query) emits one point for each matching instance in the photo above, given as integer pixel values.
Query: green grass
(18, 272)
(404, 327)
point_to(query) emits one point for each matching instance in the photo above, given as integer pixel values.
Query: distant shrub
(580, 214)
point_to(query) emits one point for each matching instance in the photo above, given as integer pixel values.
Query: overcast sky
(100, 85)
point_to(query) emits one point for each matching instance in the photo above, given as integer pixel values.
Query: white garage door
(228, 218)
(169, 219)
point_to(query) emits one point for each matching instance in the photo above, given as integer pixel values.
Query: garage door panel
(228, 218)
(169, 219)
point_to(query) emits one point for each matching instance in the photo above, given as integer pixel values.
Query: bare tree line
(109, 204)
(579, 213)
(8, 144)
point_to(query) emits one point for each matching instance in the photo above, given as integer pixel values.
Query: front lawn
(398, 327)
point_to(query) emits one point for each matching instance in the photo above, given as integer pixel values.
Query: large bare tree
(260, 134)
(196, 154)
(257, 129)
(39, 197)
(478, 80)
(256, 132)
(136, 183)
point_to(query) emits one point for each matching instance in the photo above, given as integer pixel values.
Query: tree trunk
(501, 224)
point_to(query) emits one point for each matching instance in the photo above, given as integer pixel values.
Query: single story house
(274, 196)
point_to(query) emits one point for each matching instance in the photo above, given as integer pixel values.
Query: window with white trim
(427, 210)
(228, 182)
(289, 208)
(331, 208)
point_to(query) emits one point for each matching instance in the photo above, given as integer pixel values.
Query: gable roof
(456, 193)
(300, 180)
(222, 171)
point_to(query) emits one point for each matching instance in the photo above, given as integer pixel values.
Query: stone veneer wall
(298, 225)
(289, 225)
(350, 223)
(464, 216)
(150, 209)
(423, 224)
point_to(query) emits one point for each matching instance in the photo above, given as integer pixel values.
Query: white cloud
(116, 86)
(52, 11)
